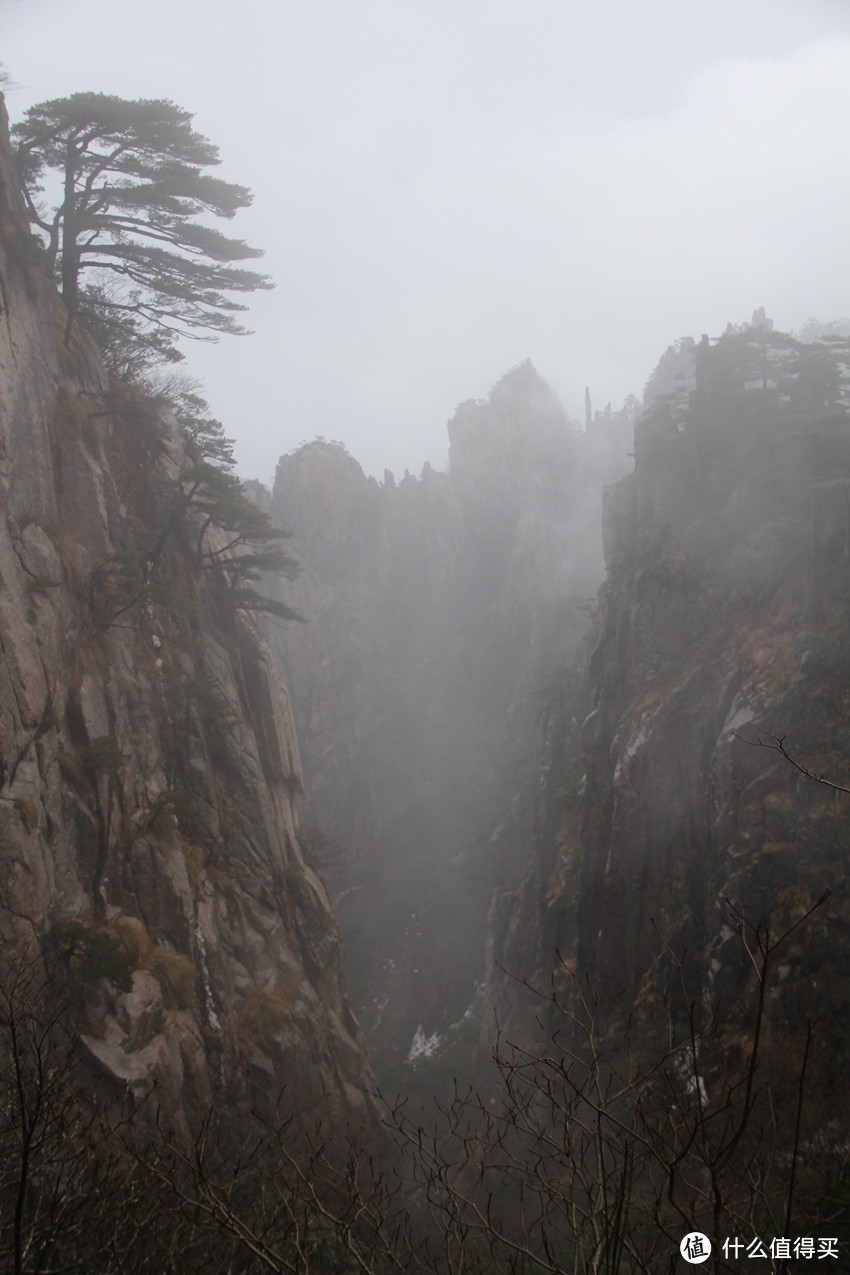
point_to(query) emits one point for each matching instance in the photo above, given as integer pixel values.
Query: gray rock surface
(150, 783)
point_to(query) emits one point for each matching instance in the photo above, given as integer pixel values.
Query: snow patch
(424, 1046)
(636, 741)
(209, 1002)
(740, 715)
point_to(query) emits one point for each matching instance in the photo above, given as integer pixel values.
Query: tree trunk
(70, 250)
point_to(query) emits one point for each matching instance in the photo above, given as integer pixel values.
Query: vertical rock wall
(723, 617)
(150, 784)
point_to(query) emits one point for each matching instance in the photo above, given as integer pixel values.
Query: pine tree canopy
(125, 241)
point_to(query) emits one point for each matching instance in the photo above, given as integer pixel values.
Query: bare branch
(776, 743)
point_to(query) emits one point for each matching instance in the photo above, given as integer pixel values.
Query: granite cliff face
(436, 607)
(723, 618)
(149, 771)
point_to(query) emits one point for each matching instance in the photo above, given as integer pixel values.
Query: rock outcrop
(436, 608)
(722, 622)
(150, 783)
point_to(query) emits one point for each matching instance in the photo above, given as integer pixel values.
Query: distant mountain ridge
(435, 606)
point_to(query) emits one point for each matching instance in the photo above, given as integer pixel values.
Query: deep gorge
(545, 708)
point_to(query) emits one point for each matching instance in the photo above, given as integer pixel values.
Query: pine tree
(125, 242)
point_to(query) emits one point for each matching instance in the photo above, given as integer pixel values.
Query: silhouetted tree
(132, 190)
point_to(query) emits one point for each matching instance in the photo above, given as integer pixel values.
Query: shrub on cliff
(94, 952)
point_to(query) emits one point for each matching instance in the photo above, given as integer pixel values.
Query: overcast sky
(445, 189)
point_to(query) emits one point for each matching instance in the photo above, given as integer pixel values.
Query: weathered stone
(107, 706)
(727, 568)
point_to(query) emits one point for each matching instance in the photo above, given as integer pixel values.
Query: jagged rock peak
(434, 605)
(521, 418)
(323, 455)
(322, 494)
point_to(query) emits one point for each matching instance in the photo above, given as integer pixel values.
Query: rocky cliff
(722, 622)
(436, 609)
(150, 784)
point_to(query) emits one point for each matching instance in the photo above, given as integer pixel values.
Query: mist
(442, 194)
(485, 789)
